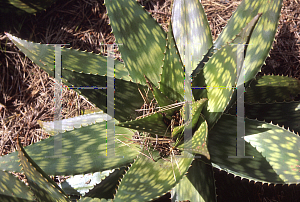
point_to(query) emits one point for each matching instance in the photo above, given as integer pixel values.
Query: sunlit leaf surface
(198, 143)
(12, 189)
(143, 39)
(89, 63)
(147, 179)
(284, 114)
(220, 78)
(278, 146)
(197, 185)
(83, 151)
(271, 88)
(191, 30)
(172, 77)
(43, 187)
(81, 184)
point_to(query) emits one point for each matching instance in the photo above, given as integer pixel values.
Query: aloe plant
(153, 152)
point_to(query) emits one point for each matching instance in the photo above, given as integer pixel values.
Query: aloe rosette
(161, 62)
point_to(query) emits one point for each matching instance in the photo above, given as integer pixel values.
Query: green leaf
(160, 97)
(107, 188)
(28, 6)
(262, 37)
(198, 143)
(81, 184)
(241, 38)
(13, 189)
(75, 122)
(142, 38)
(284, 114)
(220, 78)
(273, 166)
(153, 123)
(269, 88)
(126, 97)
(146, 179)
(43, 187)
(196, 108)
(172, 77)
(85, 62)
(197, 185)
(89, 199)
(83, 151)
(281, 149)
(191, 29)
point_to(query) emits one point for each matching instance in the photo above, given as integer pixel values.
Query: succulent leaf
(222, 143)
(143, 39)
(262, 38)
(152, 123)
(81, 184)
(83, 151)
(280, 147)
(126, 95)
(107, 188)
(12, 189)
(196, 108)
(198, 143)
(284, 114)
(270, 88)
(220, 78)
(159, 96)
(147, 179)
(172, 77)
(43, 187)
(75, 122)
(74, 60)
(16, 6)
(197, 185)
(191, 29)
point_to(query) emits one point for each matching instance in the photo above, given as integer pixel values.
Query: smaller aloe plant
(169, 159)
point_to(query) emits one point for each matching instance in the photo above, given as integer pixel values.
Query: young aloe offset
(153, 152)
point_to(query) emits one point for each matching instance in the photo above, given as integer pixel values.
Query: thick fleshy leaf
(159, 96)
(43, 187)
(21, 7)
(107, 188)
(89, 199)
(74, 60)
(84, 150)
(265, 167)
(284, 114)
(197, 185)
(81, 184)
(142, 38)
(198, 143)
(191, 29)
(172, 77)
(13, 189)
(281, 149)
(75, 122)
(147, 179)
(241, 38)
(126, 96)
(220, 78)
(262, 38)
(196, 108)
(270, 88)
(152, 123)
